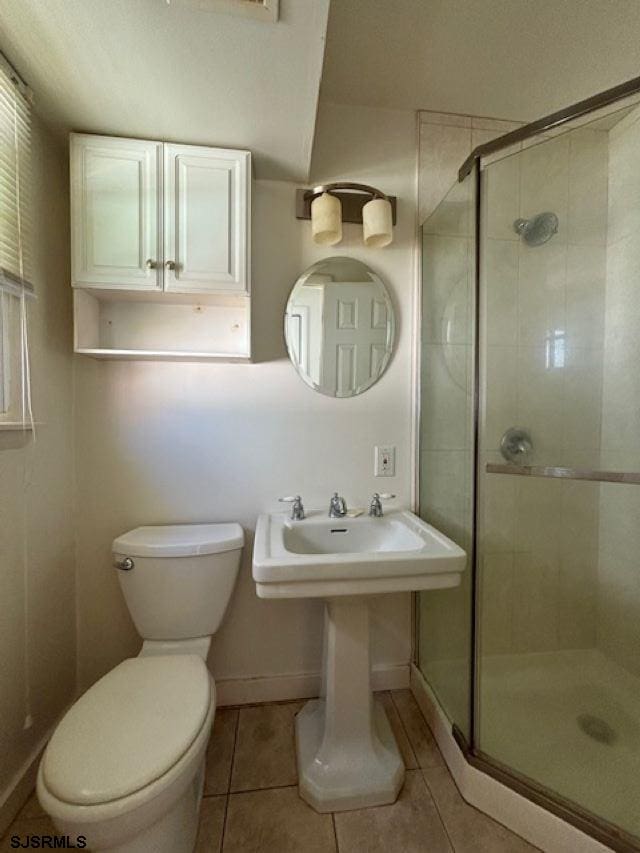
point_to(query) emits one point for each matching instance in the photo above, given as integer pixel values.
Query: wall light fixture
(329, 205)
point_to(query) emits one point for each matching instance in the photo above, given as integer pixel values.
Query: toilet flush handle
(124, 565)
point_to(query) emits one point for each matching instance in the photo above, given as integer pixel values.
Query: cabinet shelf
(159, 355)
(154, 329)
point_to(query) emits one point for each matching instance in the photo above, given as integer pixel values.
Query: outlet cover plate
(385, 461)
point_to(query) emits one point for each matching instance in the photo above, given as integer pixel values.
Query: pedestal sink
(347, 755)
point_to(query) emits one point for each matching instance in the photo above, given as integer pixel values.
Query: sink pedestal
(347, 754)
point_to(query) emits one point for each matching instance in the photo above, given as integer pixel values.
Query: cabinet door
(116, 191)
(206, 240)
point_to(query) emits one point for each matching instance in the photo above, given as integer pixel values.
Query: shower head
(538, 229)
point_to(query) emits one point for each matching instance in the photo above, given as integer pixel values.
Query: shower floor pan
(569, 720)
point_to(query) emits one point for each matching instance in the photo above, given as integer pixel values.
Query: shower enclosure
(530, 460)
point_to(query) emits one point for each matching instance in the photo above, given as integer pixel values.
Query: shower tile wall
(446, 139)
(618, 622)
(543, 327)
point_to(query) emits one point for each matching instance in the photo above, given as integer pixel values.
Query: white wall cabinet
(205, 219)
(116, 186)
(160, 232)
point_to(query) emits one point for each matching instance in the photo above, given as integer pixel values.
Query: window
(15, 232)
(5, 388)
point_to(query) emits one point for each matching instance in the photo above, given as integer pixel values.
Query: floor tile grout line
(233, 752)
(469, 805)
(228, 794)
(406, 731)
(292, 780)
(224, 823)
(295, 747)
(10, 830)
(475, 808)
(267, 703)
(437, 808)
(433, 737)
(335, 831)
(268, 788)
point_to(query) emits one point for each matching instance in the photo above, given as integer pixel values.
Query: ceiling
(173, 71)
(179, 72)
(512, 59)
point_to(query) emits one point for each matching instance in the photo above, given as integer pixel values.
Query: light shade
(377, 223)
(326, 220)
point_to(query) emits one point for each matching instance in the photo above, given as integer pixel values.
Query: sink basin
(357, 536)
(324, 557)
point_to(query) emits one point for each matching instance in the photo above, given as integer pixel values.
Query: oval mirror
(339, 327)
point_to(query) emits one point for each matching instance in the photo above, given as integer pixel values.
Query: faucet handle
(375, 507)
(297, 510)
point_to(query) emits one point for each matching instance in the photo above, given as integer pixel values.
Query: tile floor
(251, 802)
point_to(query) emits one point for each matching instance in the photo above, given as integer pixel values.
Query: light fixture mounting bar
(353, 198)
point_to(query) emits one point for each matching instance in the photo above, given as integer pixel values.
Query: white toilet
(125, 766)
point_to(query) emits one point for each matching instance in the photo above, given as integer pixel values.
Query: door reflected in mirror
(339, 327)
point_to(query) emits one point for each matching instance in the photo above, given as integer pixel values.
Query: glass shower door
(446, 441)
(558, 657)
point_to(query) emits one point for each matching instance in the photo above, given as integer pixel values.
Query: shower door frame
(598, 828)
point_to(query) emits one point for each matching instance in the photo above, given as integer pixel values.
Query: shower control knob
(516, 445)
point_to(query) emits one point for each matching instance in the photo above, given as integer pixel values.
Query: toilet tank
(177, 579)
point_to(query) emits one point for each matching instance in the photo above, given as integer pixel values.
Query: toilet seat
(119, 821)
(128, 730)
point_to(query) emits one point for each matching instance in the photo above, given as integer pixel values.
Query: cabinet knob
(151, 265)
(170, 265)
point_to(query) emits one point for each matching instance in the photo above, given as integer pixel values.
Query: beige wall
(37, 607)
(619, 536)
(161, 443)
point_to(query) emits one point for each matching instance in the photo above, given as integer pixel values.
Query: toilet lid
(128, 729)
(180, 540)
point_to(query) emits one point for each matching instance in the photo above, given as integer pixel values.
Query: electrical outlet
(385, 461)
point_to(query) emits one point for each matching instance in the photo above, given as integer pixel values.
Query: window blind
(15, 183)
(15, 243)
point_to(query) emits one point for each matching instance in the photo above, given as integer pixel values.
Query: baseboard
(305, 685)
(21, 786)
(519, 814)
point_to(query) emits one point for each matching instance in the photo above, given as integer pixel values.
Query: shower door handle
(630, 478)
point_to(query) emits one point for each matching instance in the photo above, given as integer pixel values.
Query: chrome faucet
(297, 510)
(337, 506)
(375, 507)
